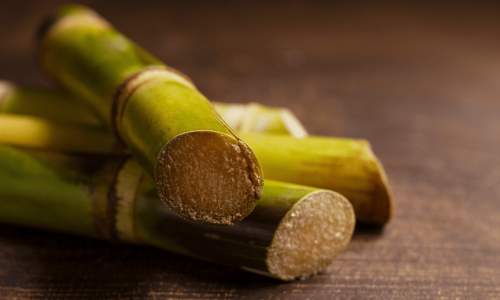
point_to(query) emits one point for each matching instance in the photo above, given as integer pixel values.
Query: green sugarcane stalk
(45, 103)
(33, 132)
(294, 232)
(58, 106)
(187, 151)
(347, 166)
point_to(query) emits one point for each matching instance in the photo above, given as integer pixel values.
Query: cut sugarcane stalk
(294, 232)
(201, 169)
(347, 166)
(58, 106)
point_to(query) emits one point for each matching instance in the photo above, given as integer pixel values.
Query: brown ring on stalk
(132, 83)
(127, 189)
(106, 201)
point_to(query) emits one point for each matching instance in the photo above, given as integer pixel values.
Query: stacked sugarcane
(129, 150)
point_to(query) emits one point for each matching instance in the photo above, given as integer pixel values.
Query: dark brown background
(421, 82)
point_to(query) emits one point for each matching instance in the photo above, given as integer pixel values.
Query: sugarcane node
(110, 205)
(133, 82)
(127, 188)
(311, 235)
(207, 177)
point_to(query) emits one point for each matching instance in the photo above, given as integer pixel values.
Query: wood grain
(421, 82)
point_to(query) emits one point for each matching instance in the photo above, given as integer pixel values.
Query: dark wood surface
(421, 82)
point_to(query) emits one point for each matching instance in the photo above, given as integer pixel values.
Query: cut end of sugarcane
(208, 177)
(312, 234)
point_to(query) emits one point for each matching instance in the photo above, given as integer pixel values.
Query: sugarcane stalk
(187, 151)
(55, 191)
(58, 106)
(294, 232)
(45, 103)
(33, 132)
(347, 166)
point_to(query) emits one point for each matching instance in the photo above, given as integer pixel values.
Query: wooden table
(422, 83)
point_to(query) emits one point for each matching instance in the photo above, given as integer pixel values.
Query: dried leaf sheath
(257, 118)
(158, 113)
(295, 231)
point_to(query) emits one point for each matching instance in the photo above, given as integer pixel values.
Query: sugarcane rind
(382, 214)
(347, 166)
(34, 132)
(135, 81)
(65, 20)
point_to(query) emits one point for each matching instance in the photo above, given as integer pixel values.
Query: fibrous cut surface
(207, 177)
(311, 235)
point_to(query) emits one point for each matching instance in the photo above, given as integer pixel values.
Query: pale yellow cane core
(312, 234)
(208, 177)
